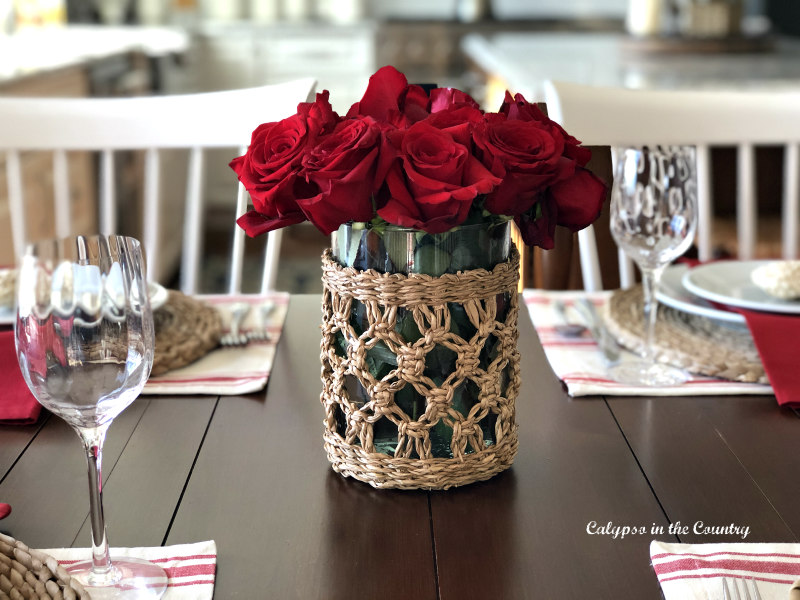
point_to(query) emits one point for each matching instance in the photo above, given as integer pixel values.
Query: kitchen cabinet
(37, 177)
(80, 61)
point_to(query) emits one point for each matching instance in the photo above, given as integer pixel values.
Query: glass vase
(408, 251)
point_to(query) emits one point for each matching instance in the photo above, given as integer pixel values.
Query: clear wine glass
(653, 219)
(85, 340)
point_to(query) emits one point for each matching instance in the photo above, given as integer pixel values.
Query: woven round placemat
(186, 329)
(26, 573)
(694, 342)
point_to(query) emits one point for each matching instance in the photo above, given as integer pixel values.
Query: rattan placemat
(696, 343)
(186, 329)
(26, 573)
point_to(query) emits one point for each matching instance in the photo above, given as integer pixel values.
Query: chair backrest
(104, 125)
(743, 119)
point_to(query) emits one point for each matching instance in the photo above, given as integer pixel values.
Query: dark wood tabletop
(250, 472)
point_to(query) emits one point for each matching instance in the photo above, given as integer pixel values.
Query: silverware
(235, 337)
(749, 589)
(261, 333)
(567, 327)
(605, 341)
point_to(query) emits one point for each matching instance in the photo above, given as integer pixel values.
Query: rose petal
(445, 98)
(382, 94)
(255, 224)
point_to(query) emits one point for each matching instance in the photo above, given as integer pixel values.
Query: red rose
(518, 108)
(342, 165)
(538, 225)
(433, 180)
(525, 155)
(573, 203)
(579, 199)
(269, 168)
(390, 99)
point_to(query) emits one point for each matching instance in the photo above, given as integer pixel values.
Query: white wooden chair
(744, 119)
(193, 121)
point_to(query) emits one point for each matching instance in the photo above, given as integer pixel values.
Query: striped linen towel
(191, 568)
(231, 370)
(695, 571)
(578, 362)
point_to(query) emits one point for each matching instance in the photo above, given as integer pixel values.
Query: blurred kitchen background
(130, 47)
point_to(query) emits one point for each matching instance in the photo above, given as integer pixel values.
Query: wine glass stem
(93, 438)
(650, 279)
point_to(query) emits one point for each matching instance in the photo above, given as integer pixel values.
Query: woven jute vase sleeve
(27, 573)
(349, 425)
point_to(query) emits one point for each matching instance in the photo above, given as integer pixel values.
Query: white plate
(672, 293)
(728, 282)
(158, 297)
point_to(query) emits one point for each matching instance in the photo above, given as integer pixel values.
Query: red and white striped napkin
(191, 568)
(229, 370)
(579, 364)
(695, 571)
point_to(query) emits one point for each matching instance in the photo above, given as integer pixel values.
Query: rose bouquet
(428, 160)
(420, 303)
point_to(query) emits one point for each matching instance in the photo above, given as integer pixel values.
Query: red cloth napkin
(777, 337)
(17, 404)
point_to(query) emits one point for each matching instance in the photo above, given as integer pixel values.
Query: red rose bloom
(579, 199)
(269, 171)
(433, 180)
(390, 99)
(269, 168)
(573, 203)
(574, 197)
(517, 108)
(526, 156)
(342, 166)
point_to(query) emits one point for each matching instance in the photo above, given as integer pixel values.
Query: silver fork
(235, 337)
(749, 589)
(261, 333)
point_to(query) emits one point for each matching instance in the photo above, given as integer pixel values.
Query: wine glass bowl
(654, 206)
(85, 339)
(653, 219)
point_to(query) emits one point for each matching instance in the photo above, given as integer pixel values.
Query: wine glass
(85, 339)
(653, 219)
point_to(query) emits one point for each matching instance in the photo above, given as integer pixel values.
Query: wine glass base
(649, 374)
(133, 578)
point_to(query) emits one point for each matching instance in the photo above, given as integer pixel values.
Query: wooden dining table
(596, 480)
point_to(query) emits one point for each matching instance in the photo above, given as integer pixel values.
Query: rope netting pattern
(472, 402)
